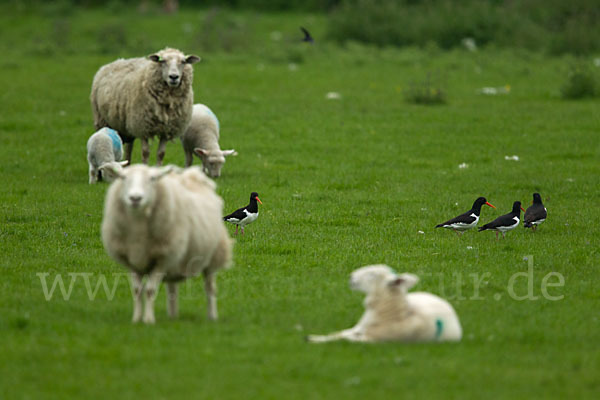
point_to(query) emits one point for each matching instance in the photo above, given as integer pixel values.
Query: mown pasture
(345, 182)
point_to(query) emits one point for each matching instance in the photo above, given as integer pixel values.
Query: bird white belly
(250, 217)
(539, 221)
(509, 227)
(461, 226)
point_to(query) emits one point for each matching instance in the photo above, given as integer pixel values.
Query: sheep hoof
(149, 320)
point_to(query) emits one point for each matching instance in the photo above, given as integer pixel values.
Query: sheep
(202, 138)
(145, 97)
(393, 314)
(166, 224)
(104, 147)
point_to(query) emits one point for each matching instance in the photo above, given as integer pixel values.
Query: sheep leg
(128, 150)
(352, 335)
(145, 151)
(210, 287)
(152, 285)
(189, 159)
(138, 290)
(172, 299)
(93, 175)
(160, 152)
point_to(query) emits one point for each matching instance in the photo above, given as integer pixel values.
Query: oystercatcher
(245, 215)
(506, 222)
(535, 214)
(307, 37)
(467, 220)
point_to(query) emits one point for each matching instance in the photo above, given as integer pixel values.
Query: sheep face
(138, 185)
(368, 279)
(173, 65)
(213, 160)
(374, 278)
(111, 170)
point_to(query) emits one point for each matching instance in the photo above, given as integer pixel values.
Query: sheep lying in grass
(166, 225)
(104, 147)
(145, 97)
(202, 138)
(393, 314)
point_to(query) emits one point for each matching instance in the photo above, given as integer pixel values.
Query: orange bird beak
(261, 201)
(491, 205)
(522, 208)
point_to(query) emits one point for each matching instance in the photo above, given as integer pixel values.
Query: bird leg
(497, 236)
(534, 228)
(236, 229)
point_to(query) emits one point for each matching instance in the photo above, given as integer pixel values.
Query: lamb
(166, 224)
(145, 97)
(202, 138)
(393, 314)
(104, 147)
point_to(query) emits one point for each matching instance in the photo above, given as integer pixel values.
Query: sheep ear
(111, 169)
(229, 153)
(192, 59)
(155, 58)
(162, 172)
(406, 281)
(200, 152)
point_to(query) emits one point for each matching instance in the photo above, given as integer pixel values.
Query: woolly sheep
(202, 138)
(166, 224)
(145, 97)
(393, 314)
(104, 147)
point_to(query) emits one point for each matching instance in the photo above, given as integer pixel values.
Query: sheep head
(138, 185)
(173, 65)
(373, 278)
(213, 160)
(112, 170)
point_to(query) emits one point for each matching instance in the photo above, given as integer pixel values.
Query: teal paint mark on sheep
(439, 327)
(116, 140)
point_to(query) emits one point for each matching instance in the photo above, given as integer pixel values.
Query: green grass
(344, 183)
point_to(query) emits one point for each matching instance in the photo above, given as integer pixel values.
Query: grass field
(358, 180)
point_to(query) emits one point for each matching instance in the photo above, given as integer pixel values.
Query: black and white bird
(307, 37)
(535, 214)
(467, 220)
(245, 215)
(506, 222)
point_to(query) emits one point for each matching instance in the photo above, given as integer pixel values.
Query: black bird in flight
(307, 37)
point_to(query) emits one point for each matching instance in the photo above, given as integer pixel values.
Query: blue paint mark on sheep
(116, 139)
(439, 327)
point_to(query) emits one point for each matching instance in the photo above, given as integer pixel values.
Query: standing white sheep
(166, 225)
(104, 147)
(202, 138)
(393, 314)
(145, 97)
